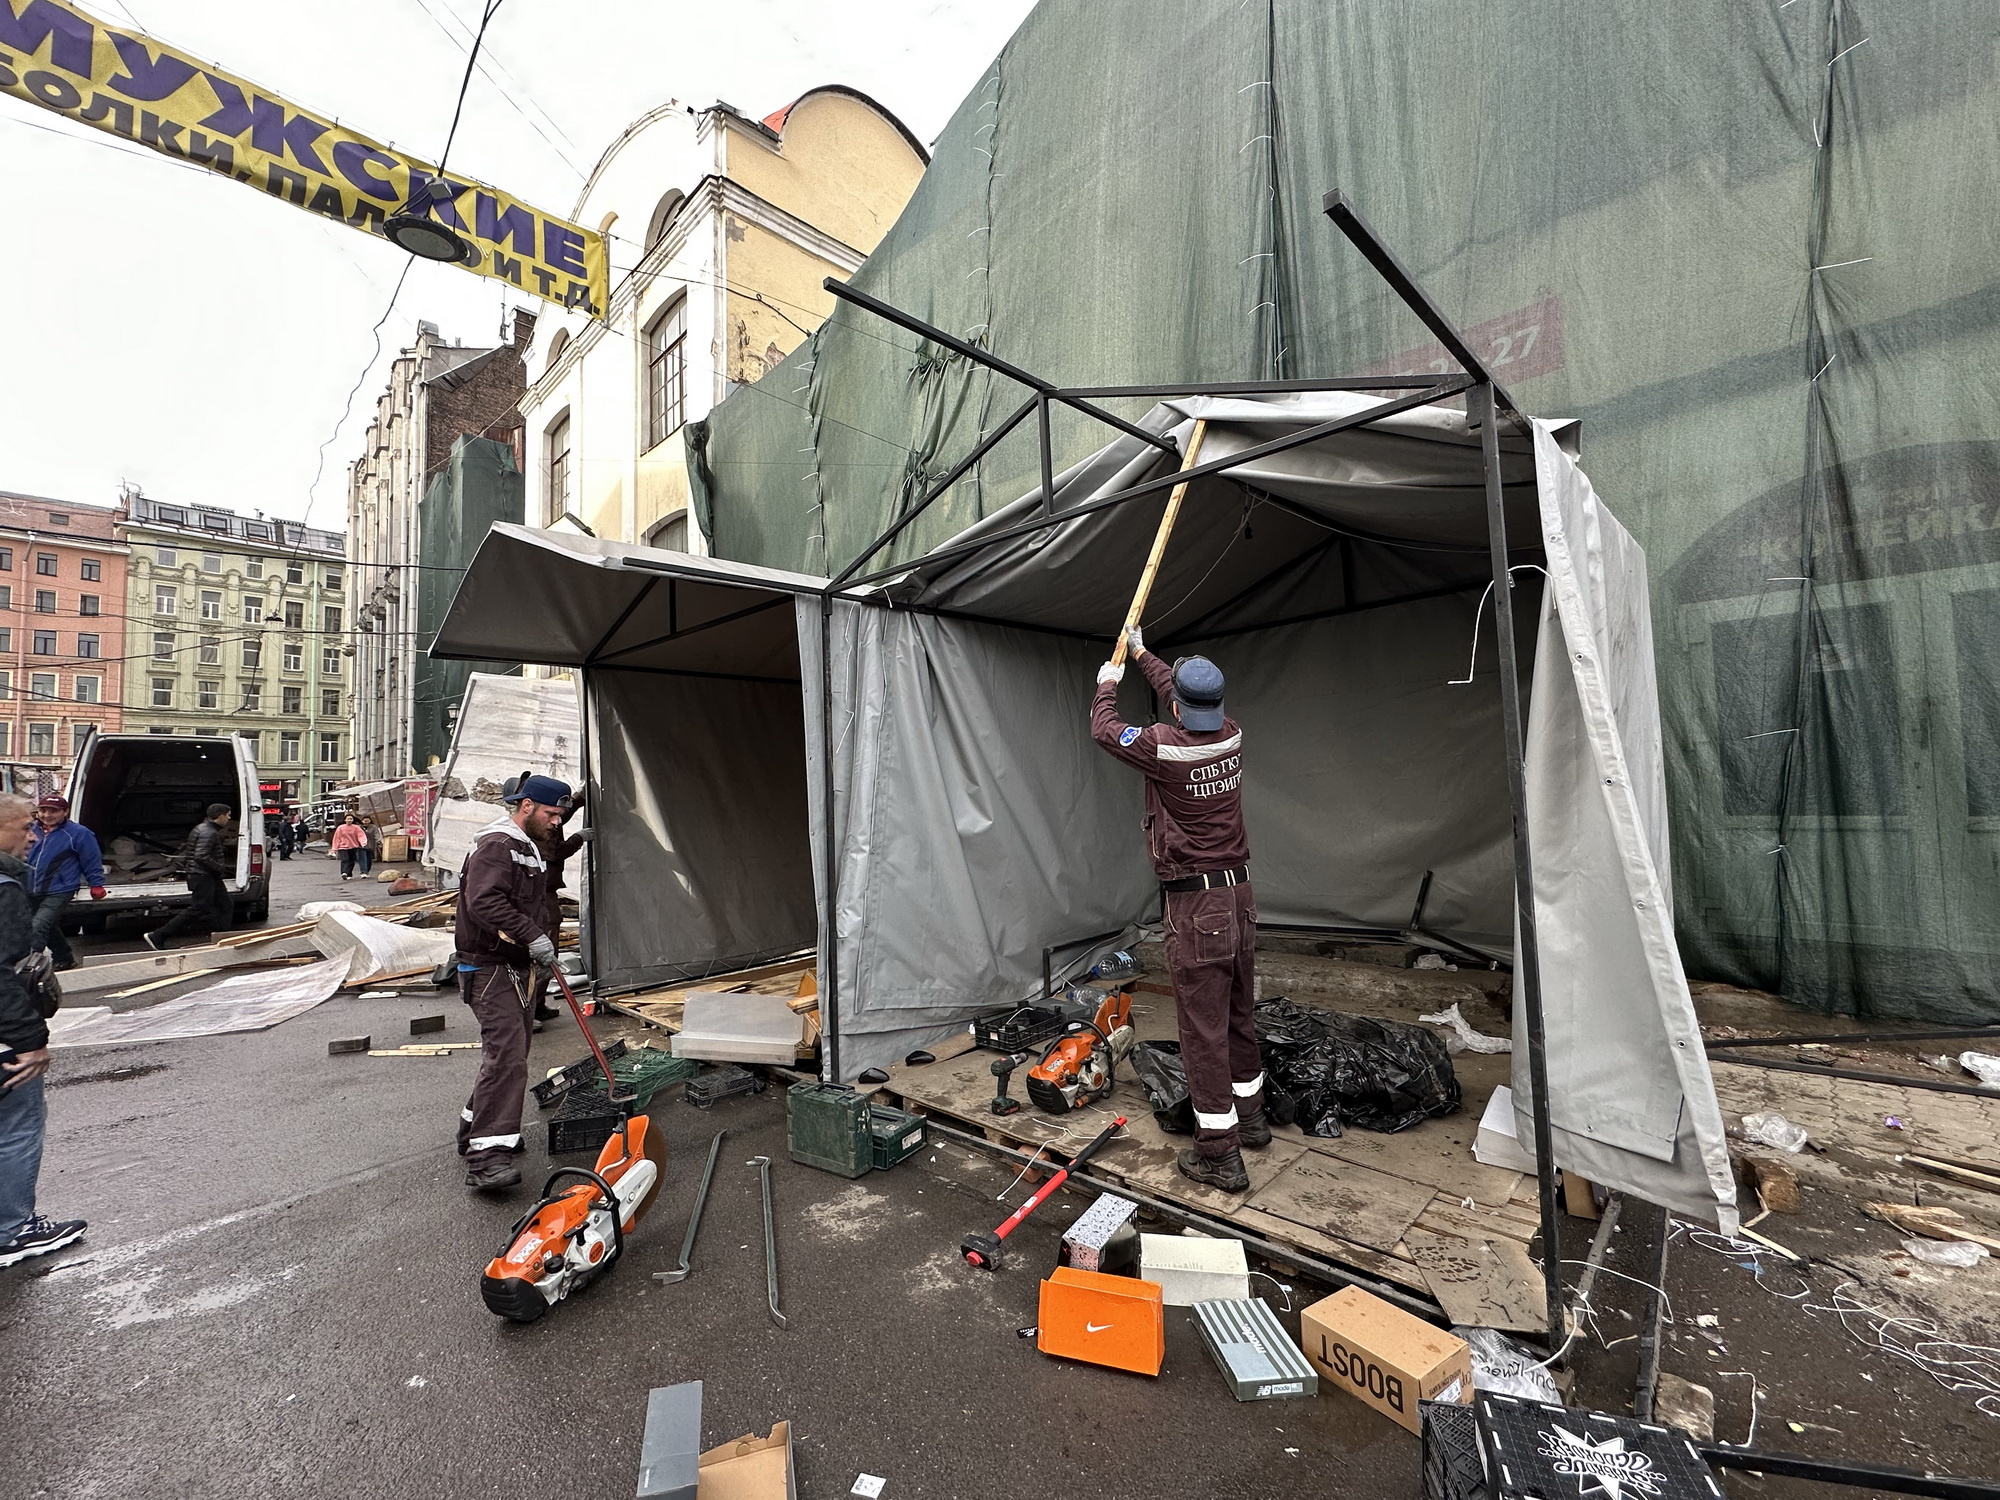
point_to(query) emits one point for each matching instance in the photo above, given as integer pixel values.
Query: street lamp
(415, 231)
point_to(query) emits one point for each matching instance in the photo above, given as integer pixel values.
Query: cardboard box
(751, 1468)
(1498, 1142)
(1193, 1269)
(1383, 1356)
(395, 848)
(1104, 1320)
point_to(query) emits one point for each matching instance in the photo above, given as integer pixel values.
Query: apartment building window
(210, 652)
(78, 733)
(89, 645)
(333, 580)
(211, 562)
(166, 600)
(42, 686)
(294, 657)
(295, 572)
(329, 701)
(45, 643)
(6, 639)
(6, 684)
(666, 373)
(45, 601)
(329, 661)
(6, 559)
(93, 570)
(159, 729)
(163, 692)
(165, 556)
(288, 748)
(59, 518)
(90, 690)
(295, 615)
(213, 521)
(253, 653)
(207, 694)
(253, 697)
(163, 646)
(6, 596)
(557, 468)
(292, 700)
(331, 617)
(41, 739)
(329, 749)
(254, 568)
(253, 609)
(211, 604)
(45, 564)
(90, 604)
(6, 738)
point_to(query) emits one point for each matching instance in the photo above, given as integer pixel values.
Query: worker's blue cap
(543, 789)
(1198, 690)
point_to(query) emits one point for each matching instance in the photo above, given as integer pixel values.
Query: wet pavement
(278, 1296)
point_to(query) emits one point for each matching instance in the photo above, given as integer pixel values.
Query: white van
(142, 794)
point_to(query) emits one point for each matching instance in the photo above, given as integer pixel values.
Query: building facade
(62, 627)
(437, 394)
(238, 625)
(730, 225)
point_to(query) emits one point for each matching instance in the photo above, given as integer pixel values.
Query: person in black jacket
(206, 858)
(24, 1057)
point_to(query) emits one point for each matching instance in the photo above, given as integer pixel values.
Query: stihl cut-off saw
(1080, 1066)
(576, 1233)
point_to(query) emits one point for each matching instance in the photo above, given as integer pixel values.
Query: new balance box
(1104, 1320)
(828, 1128)
(1193, 1269)
(1102, 1238)
(1253, 1351)
(1383, 1356)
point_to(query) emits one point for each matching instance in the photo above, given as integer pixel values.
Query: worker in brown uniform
(556, 849)
(502, 934)
(1193, 767)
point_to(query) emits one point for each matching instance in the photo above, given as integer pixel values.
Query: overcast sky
(196, 338)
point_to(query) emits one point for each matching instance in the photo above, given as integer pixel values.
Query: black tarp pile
(1323, 1070)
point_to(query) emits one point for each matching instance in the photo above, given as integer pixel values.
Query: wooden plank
(1487, 1283)
(375, 979)
(1445, 1217)
(1401, 1271)
(151, 984)
(1355, 1203)
(1438, 1152)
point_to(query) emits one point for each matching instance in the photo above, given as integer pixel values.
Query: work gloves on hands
(543, 952)
(1134, 641)
(1111, 671)
(586, 834)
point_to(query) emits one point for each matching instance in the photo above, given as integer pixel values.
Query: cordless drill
(1003, 1070)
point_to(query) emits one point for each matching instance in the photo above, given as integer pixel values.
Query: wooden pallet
(1412, 1208)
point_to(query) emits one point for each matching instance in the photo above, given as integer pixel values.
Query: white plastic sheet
(242, 1002)
(372, 947)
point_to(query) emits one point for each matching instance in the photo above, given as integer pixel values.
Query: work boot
(1225, 1172)
(490, 1177)
(1254, 1131)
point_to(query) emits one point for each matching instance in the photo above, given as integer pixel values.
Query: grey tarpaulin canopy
(1339, 583)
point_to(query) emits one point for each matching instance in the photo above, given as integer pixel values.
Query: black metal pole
(1844, 1471)
(586, 927)
(1048, 455)
(1527, 965)
(829, 981)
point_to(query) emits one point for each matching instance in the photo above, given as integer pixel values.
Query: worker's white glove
(1135, 643)
(586, 834)
(1111, 671)
(543, 952)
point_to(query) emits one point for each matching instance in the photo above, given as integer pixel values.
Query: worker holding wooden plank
(1201, 851)
(502, 934)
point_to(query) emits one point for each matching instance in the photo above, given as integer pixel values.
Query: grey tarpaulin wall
(974, 823)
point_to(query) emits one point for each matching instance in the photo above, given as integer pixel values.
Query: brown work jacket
(502, 898)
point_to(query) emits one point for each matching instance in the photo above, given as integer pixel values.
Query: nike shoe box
(1103, 1320)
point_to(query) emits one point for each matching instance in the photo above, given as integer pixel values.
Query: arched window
(556, 346)
(666, 373)
(663, 215)
(669, 532)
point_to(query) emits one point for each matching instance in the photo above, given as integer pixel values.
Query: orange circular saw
(1080, 1067)
(572, 1236)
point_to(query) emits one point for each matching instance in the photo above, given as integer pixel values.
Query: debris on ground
(1982, 1065)
(1769, 1128)
(1933, 1222)
(1960, 1254)
(1683, 1404)
(1463, 1037)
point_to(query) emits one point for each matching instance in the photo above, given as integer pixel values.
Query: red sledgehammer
(985, 1250)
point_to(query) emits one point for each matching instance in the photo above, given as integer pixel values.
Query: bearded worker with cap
(502, 933)
(1193, 767)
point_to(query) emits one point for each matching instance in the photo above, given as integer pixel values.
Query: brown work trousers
(1212, 955)
(489, 1127)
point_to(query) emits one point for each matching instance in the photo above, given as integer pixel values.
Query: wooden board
(1355, 1203)
(1487, 1283)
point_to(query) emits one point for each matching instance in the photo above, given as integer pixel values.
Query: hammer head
(983, 1249)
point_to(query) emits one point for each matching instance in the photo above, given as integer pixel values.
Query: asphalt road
(278, 1297)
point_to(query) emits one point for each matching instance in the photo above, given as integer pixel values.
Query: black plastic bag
(1159, 1069)
(1324, 1069)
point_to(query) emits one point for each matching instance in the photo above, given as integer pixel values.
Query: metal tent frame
(1487, 403)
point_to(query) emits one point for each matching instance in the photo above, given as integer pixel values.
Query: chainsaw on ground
(576, 1233)
(1080, 1066)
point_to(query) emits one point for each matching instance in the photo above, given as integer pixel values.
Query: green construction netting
(478, 485)
(1750, 245)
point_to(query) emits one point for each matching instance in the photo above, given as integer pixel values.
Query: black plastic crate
(584, 1123)
(1452, 1467)
(1017, 1028)
(565, 1078)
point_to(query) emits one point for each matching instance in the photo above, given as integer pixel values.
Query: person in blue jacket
(62, 859)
